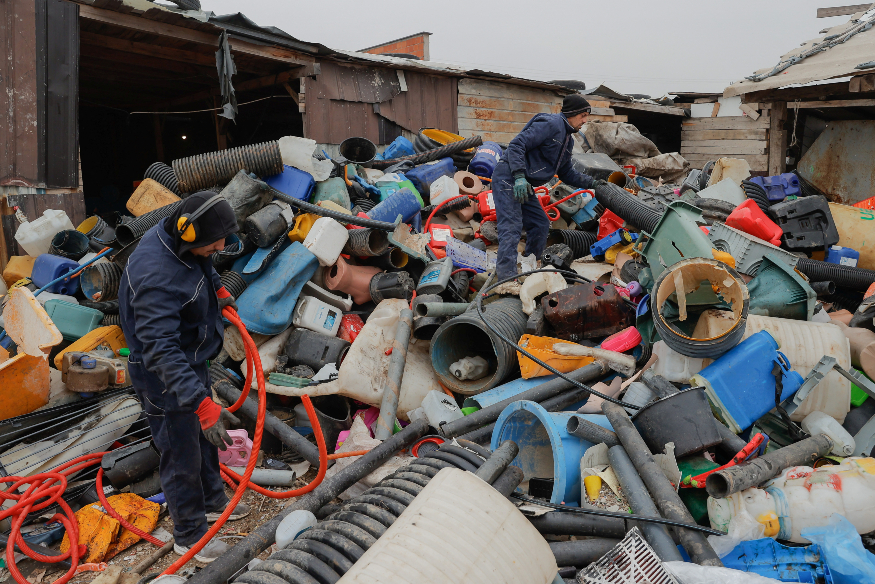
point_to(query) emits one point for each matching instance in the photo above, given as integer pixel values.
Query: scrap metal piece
(413, 244)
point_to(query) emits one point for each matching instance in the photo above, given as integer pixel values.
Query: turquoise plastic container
(423, 175)
(740, 384)
(293, 182)
(72, 320)
(333, 189)
(390, 184)
(48, 267)
(404, 203)
(547, 450)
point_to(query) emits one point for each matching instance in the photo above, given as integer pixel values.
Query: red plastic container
(608, 223)
(748, 217)
(439, 234)
(350, 327)
(625, 340)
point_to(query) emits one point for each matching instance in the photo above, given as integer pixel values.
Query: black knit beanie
(574, 104)
(216, 223)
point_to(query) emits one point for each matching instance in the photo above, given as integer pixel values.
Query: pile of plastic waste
(678, 390)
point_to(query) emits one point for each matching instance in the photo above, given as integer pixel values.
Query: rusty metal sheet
(587, 311)
(839, 162)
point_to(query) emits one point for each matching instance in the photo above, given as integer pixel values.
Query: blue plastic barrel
(48, 267)
(485, 159)
(399, 147)
(403, 202)
(423, 175)
(740, 384)
(293, 182)
(547, 450)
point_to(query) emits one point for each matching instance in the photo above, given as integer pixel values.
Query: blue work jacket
(170, 317)
(543, 149)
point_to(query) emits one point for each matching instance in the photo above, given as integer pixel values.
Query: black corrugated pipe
(758, 194)
(100, 281)
(844, 276)
(455, 205)
(204, 171)
(366, 242)
(713, 210)
(233, 283)
(627, 206)
(430, 155)
(108, 307)
(128, 233)
(578, 241)
(163, 175)
(581, 553)
(111, 319)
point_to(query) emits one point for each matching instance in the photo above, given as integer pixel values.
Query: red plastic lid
(625, 340)
(437, 440)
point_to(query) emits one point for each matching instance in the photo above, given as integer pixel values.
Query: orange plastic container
(17, 268)
(110, 337)
(542, 348)
(748, 217)
(867, 204)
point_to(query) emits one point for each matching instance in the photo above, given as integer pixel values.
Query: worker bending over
(170, 298)
(539, 152)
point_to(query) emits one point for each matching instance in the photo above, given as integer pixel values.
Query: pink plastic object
(238, 453)
(748, 217)
(625, 340)
(608, 223)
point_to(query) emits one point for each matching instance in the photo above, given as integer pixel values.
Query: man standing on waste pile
(539, 152)
(170, 301)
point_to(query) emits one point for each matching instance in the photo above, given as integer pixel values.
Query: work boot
(240, 511)
(210, 552)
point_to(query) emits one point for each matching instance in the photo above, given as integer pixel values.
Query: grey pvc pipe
(583, 428)
(269, 477)
(439, 309)
(272, 424)
(581, 553)
(259, 540)
(667, 500)
(509, 480)
(392, 388)
(639, 499)
(731, 480)
(731, 444)
(499, 460)
(578, 524)
(539, 393)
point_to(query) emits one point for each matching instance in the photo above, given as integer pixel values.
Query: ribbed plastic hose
(207, 170)
(627, 206)
(758, 194)
(163, 175)
(851, 277)
(130, 232)
(430, 155)
(578, 241)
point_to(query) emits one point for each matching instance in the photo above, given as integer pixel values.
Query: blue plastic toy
(598, 249)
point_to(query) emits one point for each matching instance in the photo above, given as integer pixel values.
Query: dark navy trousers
(512, 217)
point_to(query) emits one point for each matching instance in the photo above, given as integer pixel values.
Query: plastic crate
(747, 250)
(72, 320)
(769, 558)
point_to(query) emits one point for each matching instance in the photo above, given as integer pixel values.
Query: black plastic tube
(583, 428)
(163, 175)
(560, 523)
(851, 277)
(499, 460)
(627, 206)
(108, 307)
(823, 288)
(430, 155)
(581, 553)
(509, 480)
(336, 215)
(127, 233)
(732, 443)
(578, 241)
(758, 194)
(661, 490)
(233, 283)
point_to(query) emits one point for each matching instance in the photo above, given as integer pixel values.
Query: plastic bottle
(470, 368)
(820, 423)
(435, 277)
(486, 159)
(442, 189)
(673, 366)
(293, 525)
(326, 239)
(440, 408)
(35, 237)
(311, 313)
(423, 175)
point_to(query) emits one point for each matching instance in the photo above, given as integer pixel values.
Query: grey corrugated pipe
(500, 458)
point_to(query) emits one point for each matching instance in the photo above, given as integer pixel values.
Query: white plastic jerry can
(316, 315)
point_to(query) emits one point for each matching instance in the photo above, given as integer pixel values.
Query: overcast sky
(651, 47)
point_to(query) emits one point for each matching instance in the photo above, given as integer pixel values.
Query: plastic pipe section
(259, 540)
(336, 215)
(539, 393)
(509, 480)
(583, 428)
(668, 501)
(731, 444)
(731, 480)
(268, 477)
(499, 460)
(392, 389)
(272, 424)
(439, 309)
(639, 499)
(578, 524)
(581, 553)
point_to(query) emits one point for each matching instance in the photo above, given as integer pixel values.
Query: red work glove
(213, 417)
(225, 299)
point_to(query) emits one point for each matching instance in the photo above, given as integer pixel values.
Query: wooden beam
(93, 43)
(841, 10)
(729, 123)
(259, 83)
(737, 146)
(292, 92)
(602, 111)
(837, 103)
(790, 94)
(862, 83)
(757, 134)
(648, 107)
(778, 139)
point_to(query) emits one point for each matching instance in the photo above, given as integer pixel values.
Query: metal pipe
(731, 480)
(581, 553)
(583, 428)
(562, 523)
(554, 404)
(392, 388)
(501, 457)
(539, 393)
(269, 477)
(272, 424)
(509, 480)
(668, 501)
(259, 540)
(439, 309)
(639, 500)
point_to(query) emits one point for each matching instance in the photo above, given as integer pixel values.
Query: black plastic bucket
(358, 150)
(684, 418)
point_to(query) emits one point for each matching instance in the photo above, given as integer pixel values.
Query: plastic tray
(747, 250)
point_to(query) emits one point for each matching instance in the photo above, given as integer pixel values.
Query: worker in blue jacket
(170, 298)
(539, 152)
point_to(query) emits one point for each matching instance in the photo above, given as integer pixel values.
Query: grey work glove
(217, 434)
(227, 301)
(522, 190)
(598, 183)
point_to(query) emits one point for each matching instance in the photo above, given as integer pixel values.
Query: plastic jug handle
(783, 362)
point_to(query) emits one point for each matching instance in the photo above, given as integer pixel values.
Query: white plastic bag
(742, 527)
(298, 152)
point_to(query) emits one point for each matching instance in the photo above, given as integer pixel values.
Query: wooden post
(778, 139)
(221, 139)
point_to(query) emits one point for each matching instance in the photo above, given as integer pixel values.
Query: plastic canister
(748, 217)
(35, 237)
(72, 320)
(293, 182)
(779, 186)
(740, 384)
(333, 189)
(399, 147)
(442, 189)
(303, 223)
(238, 452)
(423, 175)
(440, 408)
(435, 277)
(293, 525)
(49, 267)
(819, 423)
(673, 366)
(315, 350)
(326, 240)
(17, 268)
(486, 159)
(315, 315)
(391, 183)
(403, 202)
(843, 256)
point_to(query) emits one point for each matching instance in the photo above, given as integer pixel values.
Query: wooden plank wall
(33, 206)
(704, 139)
(498, 111)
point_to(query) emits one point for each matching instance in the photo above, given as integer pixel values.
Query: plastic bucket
(358, 150)
(100, 281)
(684, 418)
(69, 243)
(547, 450)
